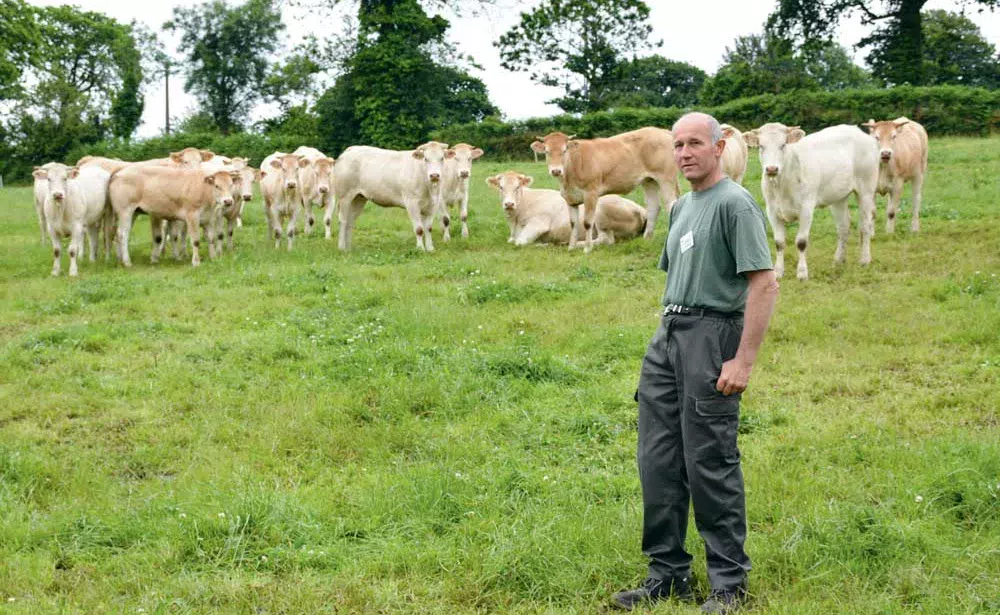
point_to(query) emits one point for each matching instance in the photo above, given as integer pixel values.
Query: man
(719, 276)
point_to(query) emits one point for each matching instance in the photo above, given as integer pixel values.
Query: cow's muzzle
(886, 154)
(772, 171)
(464, 174)
(435, 177)
(555, 172)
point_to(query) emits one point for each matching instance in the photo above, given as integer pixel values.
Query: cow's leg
(349, 210)
(802, 238)
(239, 214)
(604, 237)
(268, 206)
(445, 222)
(293, 225)
(465, 213)
(892, 206)
(574, 224)
(157, 227)
(842, 218)
(75, 247)
(427, 220)
(328, 216)
(653, 194)
(93, 237)
(778, 230)
(917, 187)
(56, 249)
(866, 205)
(530, 232)
(274, 225)
(124, 229)
(108, 229)
(513, 227)
(231, 223)
(42, 226)
(589, 213)
(194, 231)
(310, 220)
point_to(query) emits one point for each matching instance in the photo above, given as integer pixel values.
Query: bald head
(703, 120)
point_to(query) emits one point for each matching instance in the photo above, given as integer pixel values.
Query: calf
(734, 156)
(166, 193)
(75, 202)
(803, 172)
(248, 175)
(407, 179)
(279, 185)
(590, 168)
(618, 218)
(902, 147)
(455, 187)
(314, 182)
(41, 192)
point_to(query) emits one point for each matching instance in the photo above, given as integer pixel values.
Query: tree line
(71, 78)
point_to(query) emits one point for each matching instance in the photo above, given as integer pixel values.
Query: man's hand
(734, 377)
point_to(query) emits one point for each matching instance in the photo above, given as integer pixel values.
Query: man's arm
(760, 305)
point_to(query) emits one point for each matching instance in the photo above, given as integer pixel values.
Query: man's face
(694, 153)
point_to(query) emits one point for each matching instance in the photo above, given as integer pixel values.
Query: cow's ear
(304, 162)
(418, 154)
(795, 134)
(728, 132)
(276, 163)
(260, 174)
(73, 172)
(538, 146)
(526, 180)
(176, 156)
(40, 173)
(235, 174)
(751, 138)
(901, 122)
(493, 180)
(206, 155)
(870, 125)
(331, 160)
(210, 179)
(476, 153)
(573, 144)
(449, 153)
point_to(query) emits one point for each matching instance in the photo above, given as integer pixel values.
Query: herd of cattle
(195, 189)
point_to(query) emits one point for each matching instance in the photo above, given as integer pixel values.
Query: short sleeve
(748, 240)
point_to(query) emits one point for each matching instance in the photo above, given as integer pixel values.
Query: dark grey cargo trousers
(687, 449)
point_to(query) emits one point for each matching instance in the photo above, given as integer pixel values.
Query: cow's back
(548, 205)
(835, 162)
(385, 177)
(910, 150)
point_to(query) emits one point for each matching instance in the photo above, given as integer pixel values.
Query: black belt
(673, 308)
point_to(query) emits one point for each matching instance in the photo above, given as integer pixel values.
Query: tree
(577, 45)
(396, 85)
(19, 37)
(898, 44)
(228, 55)
(955, 52)
(655, 81)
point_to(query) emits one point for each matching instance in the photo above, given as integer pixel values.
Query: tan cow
(166, 193)
(590, 168)
(315, 182)
(734, 156)
(542, 215)
(279, 185)
(108, 164)
(902, 158)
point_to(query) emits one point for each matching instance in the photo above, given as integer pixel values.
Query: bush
(943, 110)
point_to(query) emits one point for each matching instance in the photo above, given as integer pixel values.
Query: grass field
(389, 431)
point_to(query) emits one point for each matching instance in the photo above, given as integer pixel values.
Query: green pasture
(389, 431)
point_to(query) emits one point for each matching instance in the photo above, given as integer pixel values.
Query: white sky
(695, 32)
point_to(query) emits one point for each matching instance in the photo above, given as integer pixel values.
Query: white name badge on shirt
(687, 241)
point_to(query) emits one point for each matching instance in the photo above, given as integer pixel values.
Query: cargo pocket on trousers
(721, 417)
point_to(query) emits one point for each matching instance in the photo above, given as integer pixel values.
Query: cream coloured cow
(455, 186)
(903, 148)
(279, 185)
(315, 182)
(166, 193)
(542, 215)
(590, 168)
(248, 175)
(410, 180)
(41, 192)
(75, 203)
(734, 156)
(801, 173)
(108, 164)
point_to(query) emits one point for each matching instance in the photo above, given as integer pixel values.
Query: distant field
(390, 431)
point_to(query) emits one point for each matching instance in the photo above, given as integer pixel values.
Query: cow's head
(433, 154)
(248, 175)
(222, 187)
(287, 167)
(57, 175)
(555, 146)
(191, 157)
(772, 140)
(323, 167)
(510, 185)
(464, 155)
(885, 134)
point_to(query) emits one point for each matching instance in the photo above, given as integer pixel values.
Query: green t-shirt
(715, 237)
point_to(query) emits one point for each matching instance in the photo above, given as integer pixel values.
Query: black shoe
(653, 590)
(725, 601)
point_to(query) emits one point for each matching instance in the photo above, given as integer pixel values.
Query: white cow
(903, 158)
(407, 179)
(41, 190)
(75, 203)
(455, 189)
(279, 185)
(734, 156)
(314, 182)
(801, 173)
(542, 215)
